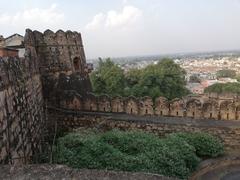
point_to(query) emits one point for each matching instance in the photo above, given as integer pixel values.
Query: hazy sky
(113, 28)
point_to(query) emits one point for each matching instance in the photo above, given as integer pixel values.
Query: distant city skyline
(123, 28)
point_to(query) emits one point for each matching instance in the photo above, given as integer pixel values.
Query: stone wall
(207, 106)
(67, 120)
(59, 54)
(21, 110)
(53, 63)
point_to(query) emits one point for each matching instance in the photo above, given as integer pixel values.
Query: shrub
(207, 146)
(129, 151)
(224, 88)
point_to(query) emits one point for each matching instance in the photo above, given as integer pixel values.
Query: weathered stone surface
(61, 60)
(200, 107)
(21, 110)
(53, 63)
(227, 131)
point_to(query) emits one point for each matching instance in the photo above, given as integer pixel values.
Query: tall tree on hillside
(164, 79)
(108, 78)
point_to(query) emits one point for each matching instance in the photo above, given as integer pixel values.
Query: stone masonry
(207, 106)
(28, 85)
(21, 111)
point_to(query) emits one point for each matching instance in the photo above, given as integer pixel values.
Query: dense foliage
(136, 151)
(206, 146)
(163, 79)
(223, 88)
(226, 73)
(108, 78)
(194, 79)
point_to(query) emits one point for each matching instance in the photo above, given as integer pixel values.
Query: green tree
(163, 79)
(108, 78)
(226, 73)
(194, 79)
(223, 88)
(238, 77)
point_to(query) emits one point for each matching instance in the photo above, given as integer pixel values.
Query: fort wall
(21, 110)
(59, 54)
(67, 120)
(207, 106)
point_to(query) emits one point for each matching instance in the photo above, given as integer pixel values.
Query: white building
(15, 41)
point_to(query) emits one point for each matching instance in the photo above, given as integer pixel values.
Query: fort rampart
(206, 106)
(21, 110)
(27, 84)
(68, 120)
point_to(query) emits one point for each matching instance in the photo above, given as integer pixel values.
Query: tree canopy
(224, 88)
(108, 78)
(194, 79)
(226, 73)
(163, 79)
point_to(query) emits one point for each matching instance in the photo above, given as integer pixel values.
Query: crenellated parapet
(162, 106)
(206, 106)
(61, 60)
(57, 51)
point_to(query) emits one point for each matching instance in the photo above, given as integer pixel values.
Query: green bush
(130, 151)
(224, 88)
(206, 146)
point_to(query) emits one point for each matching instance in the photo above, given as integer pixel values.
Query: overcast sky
(112, 28)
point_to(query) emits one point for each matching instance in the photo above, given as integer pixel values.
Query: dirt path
(60, 172)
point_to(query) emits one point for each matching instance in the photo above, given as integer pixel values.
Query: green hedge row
(176, 155)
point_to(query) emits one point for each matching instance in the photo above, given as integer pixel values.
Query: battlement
(58, 52)
(27, 83)
(207, 106)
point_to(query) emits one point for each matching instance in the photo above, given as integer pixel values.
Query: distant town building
(2, 41)
(12, 46)
(6, 52)
(16, 41)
